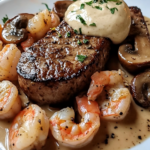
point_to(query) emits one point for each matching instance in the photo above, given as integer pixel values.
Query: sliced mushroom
(14, 30)
(140, 88)
(137, 59)
(60, 7)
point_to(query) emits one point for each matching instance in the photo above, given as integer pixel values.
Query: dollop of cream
(112, 21)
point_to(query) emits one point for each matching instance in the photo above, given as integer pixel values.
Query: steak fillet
(49, 71)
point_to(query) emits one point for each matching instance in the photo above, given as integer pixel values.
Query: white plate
(13, 7)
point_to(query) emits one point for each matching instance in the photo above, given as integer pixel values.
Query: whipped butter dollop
(109, 19)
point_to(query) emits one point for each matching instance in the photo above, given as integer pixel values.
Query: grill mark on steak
(54, 59)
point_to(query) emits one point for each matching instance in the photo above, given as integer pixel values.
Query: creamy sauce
(114, 26)
(112, 135)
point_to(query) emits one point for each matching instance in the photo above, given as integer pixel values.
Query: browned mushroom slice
(14, 30)
(135, 59)
(60, 7)
(140, 88)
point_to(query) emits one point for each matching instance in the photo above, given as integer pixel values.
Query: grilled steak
(50, 72)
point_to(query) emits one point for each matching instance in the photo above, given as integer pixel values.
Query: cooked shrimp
(10, 103)
(1, 45)
(40, 24)
(75, 135)
(55, 20)
(9, 57)
(27, 43)
(29, 129)
(114, 100)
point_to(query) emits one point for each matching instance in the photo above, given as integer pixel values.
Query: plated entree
(75, 77)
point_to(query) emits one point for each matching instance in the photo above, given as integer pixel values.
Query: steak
(50, 71)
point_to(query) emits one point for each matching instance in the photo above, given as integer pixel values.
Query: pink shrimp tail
(85, 106)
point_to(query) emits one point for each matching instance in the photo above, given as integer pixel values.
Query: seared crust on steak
(49, 71)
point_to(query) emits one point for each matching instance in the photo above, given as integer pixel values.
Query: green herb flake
(82, 6)
(81, 19)
(81, 58)
(118, 3)
(5, 19)
(93, 24)
(59, 35)
(97, 7)
(113, 0)
(46, 6)
(89, 3)
(80, 30)
(73, 11)
(74, 0)
(85, 41)
(79, 42)
(75, 31)
(68, 34)
(103, 1)
(95, 1)
(113, 10)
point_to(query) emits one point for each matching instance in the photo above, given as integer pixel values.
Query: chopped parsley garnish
(75, 31)
(95, 1)
(113, 10)
(118, 3)
(85, 41)
(93, 24)
(73, 11)
(5, 19)
(53, 29)
(81, 58)
(59, 35)
(68, 34)
(113, 0)
(89, 3)
(97, 7)
(103, 1)
(74, 0)
(46, 6)
(80, 30)
(79, 42)
(81, 19)
(82, 6)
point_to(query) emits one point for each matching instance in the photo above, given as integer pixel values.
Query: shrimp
(114, 100)
(29, 129)
(10, 103)
(27, 43)
(40, 24)
(71, 134)
(9, 57)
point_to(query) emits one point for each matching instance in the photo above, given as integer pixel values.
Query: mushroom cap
(60, 7)
(137, 59)
(14, 30)
(140, 89)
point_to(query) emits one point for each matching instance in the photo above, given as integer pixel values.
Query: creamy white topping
(112, 21)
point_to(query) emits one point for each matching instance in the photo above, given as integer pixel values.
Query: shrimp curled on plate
(70, 134)
(40, 24)
(29, 129)
(113, 97)
(10, 103)
(9, 58)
